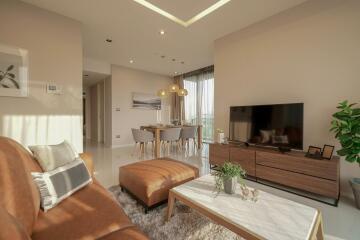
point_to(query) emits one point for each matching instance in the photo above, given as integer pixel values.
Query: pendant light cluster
(173, 88)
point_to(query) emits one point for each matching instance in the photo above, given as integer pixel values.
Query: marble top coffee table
(271, 217)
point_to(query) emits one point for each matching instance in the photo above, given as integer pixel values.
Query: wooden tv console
(291, 170)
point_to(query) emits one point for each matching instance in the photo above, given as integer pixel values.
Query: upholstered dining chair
(188, 133)
(143, 138)
(169, 136)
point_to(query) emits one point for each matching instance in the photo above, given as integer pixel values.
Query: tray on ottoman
(150, 180)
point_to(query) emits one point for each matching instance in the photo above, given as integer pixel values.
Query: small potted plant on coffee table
(346, 125)
(227, 176)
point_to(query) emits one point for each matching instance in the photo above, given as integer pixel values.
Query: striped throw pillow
(58, 184)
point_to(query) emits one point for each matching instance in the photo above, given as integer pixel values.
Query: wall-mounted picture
(146, 101)
(327, 151)
(13, 71)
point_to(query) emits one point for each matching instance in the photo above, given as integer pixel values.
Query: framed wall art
(146, 101)
(14, 71)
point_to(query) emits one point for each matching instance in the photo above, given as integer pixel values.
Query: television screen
(271, 125)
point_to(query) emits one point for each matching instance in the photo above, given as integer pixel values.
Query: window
(199, 103)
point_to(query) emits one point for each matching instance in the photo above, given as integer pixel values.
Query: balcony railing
(207, 121)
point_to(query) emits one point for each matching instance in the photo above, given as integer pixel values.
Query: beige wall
(55, 55)
(309, 54)
(125, 81)
(87, 112)
(108, 112)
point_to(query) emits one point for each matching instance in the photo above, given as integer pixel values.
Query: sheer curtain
(199, 103)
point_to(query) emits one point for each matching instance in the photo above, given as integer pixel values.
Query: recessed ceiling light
(162, 32)
(131, 61)
(109, 40)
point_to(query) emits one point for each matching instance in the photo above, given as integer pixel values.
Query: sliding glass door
(199, 103)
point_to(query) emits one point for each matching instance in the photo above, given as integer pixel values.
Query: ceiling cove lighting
(192, 20)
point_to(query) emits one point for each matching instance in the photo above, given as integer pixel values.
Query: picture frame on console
(314, 152)
(327, 151)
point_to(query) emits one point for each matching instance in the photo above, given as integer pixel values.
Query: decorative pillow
(54, 156)
(56, 185)
(266, 135)
(280, 139)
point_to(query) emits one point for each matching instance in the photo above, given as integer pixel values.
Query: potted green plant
(346, 125)
(227, 176)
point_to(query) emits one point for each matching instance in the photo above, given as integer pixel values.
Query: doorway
(94, 106)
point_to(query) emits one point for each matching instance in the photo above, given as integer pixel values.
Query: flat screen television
(278, 125)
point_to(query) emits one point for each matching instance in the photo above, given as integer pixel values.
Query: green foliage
(10, 76)
(228, 170)
(346, 126)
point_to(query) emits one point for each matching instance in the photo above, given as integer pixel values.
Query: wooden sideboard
(291, 169)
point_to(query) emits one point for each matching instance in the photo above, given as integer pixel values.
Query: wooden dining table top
(167, 126)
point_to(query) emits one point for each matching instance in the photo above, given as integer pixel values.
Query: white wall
(108, 112)
(88, 112)
(94, 65)
(55, 55)
(124, 82)
(309, 54)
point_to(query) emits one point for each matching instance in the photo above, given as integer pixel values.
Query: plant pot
(355, 185)
(230, 185)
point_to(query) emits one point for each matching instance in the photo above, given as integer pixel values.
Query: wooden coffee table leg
(320, 230)
(171, 201)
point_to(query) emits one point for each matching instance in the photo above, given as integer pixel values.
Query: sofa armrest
(87, 157)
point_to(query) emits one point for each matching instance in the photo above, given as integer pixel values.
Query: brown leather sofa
(90, 213)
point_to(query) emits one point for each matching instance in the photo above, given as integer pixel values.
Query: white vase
(220, 137)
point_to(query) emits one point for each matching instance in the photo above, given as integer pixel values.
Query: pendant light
(173, 88)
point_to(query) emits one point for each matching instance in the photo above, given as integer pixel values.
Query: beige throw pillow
(53, 156)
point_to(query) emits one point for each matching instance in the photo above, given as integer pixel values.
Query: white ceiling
(134, 29)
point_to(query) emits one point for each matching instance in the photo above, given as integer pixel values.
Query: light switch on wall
(52, 88)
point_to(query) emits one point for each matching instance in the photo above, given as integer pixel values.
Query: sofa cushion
(132, 233)
(90, 213)
(18, 193)
(56, 185)
(54, 156)
(11, 228)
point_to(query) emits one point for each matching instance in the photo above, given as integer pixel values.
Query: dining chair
(188, 133)
(142, 137)
(169, 136)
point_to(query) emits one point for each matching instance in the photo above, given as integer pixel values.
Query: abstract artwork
(146, 101)
(13, 71)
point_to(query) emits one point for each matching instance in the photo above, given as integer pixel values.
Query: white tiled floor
(340, 222)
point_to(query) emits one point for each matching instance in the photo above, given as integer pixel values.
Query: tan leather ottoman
(150, 181)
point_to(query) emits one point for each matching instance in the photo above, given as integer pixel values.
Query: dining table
(156, 129)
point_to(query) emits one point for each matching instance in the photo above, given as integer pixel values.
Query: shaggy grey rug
(186, 223)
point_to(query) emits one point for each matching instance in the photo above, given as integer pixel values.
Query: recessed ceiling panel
(134, 29)
(183, 9)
